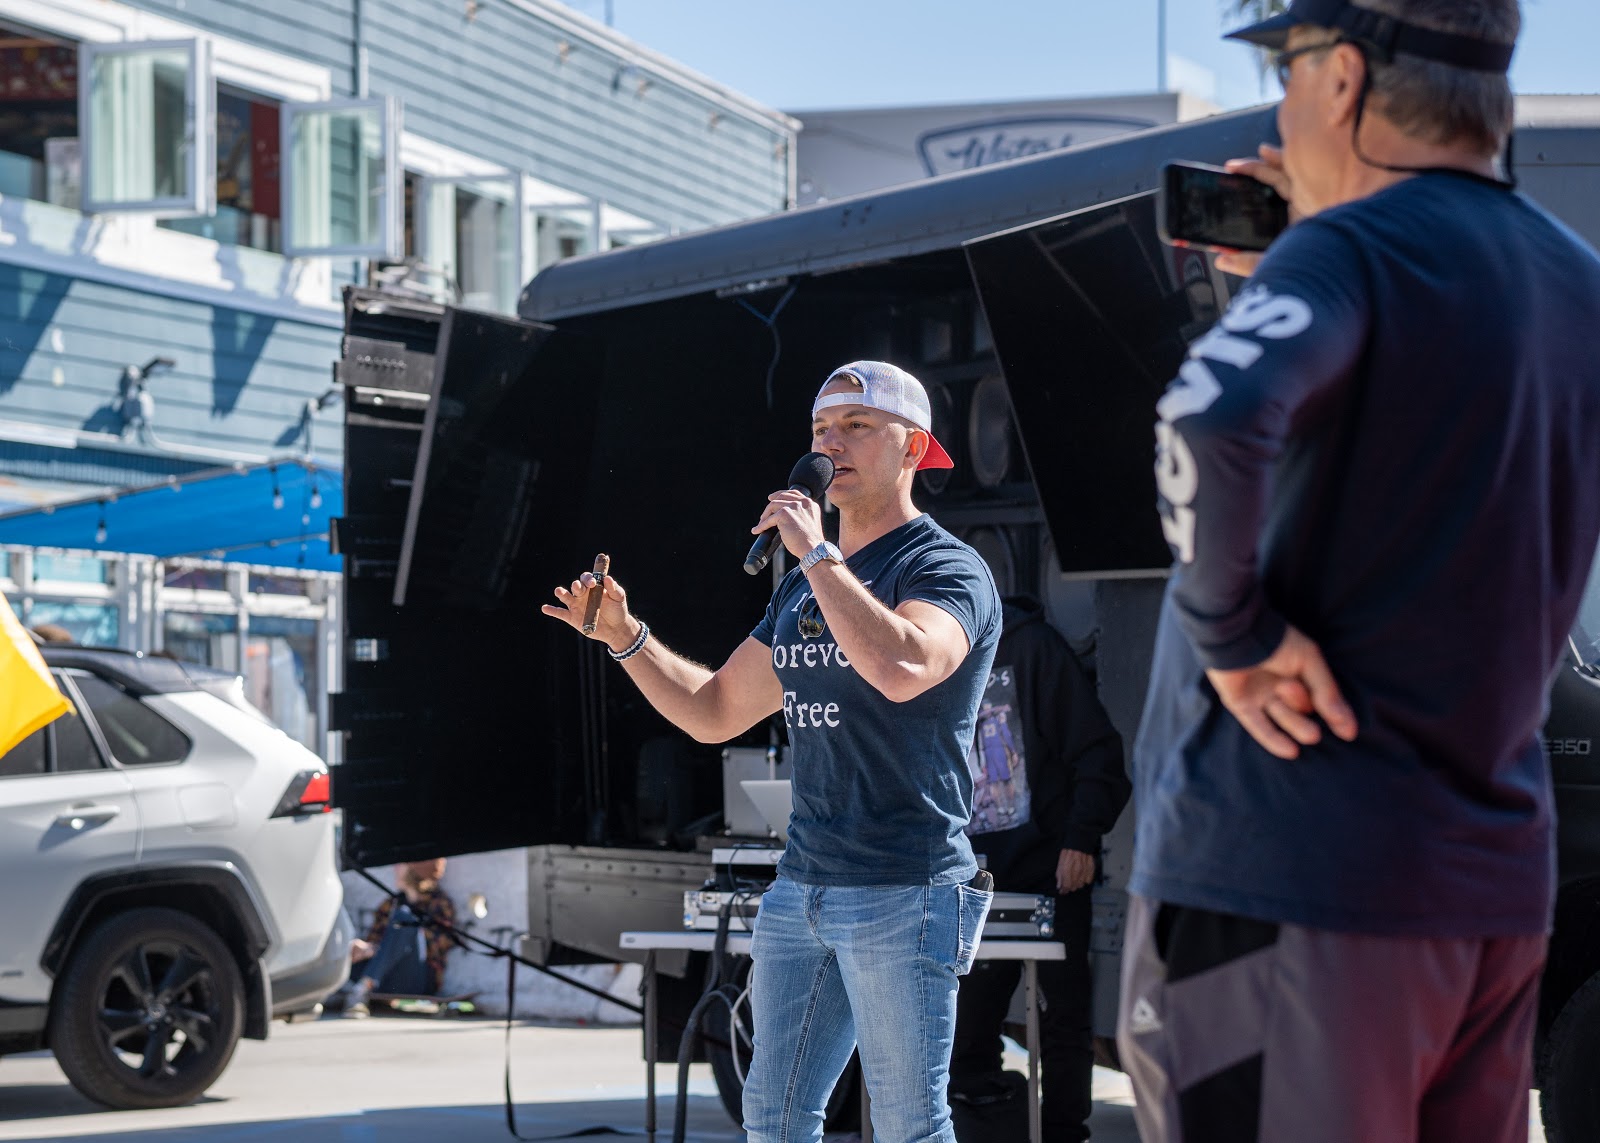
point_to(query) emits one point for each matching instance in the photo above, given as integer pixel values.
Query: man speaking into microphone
(877, 652)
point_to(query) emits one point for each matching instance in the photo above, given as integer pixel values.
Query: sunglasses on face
(1283, 62)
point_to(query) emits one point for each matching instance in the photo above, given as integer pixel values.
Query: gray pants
(1241, 1031)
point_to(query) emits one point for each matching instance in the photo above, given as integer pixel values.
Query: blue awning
(274, 515)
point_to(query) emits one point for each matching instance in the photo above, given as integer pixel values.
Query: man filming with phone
(1380, 480)
(877, 651)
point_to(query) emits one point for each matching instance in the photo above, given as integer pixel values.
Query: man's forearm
(679, 690)
(886, 649)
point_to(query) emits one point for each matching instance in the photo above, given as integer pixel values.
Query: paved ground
(390, 1080)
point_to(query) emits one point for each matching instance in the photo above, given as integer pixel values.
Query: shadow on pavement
(708, 1123)
(1113, 1123)
(55, 1100)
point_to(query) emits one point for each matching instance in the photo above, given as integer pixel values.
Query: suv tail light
(307, 794)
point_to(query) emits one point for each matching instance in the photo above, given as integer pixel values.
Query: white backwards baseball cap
(889, 389)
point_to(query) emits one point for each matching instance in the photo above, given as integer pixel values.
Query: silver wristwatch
(823, 551)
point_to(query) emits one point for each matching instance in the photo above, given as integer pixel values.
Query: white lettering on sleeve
(1256, 311)
(1177, 475)
(1273, 316)
(1193, 392)
(1220, 345)
(1178, 480)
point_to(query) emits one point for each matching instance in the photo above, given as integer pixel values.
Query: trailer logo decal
(966, 146)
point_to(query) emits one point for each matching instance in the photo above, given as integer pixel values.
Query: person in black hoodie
(1049, 783)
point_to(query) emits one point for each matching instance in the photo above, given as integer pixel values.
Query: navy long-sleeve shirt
(1392, 442)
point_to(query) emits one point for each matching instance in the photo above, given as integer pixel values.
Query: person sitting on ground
(400, 954)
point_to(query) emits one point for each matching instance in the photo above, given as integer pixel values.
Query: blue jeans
(834, 967)
(400, 964)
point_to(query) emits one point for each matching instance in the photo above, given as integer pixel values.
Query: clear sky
(813, 54)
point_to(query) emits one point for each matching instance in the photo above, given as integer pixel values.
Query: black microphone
(811, 474)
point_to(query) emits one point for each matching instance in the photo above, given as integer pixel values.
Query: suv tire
(148, 1011)
(1569, 1097)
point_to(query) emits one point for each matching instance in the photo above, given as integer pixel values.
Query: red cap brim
(935, 457)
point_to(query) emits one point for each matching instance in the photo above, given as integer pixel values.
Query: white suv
(169, 879)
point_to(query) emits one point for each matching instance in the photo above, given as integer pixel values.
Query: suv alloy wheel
(148, 1011)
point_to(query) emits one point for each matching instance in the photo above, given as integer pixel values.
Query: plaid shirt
(438, 942)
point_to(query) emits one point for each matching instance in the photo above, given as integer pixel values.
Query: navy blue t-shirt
(1390, 442)
(882, 792)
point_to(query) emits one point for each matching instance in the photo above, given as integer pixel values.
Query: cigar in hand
(602, 567)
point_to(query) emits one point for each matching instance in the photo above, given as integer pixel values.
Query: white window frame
(539, 197)
(122, 249)
(200, 128)
(519, 212)
(392, 211)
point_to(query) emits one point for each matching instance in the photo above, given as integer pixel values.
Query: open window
(560, 224)
(38, 118)
(145, 117)
(1091, 315)
(470, 231)
(341, 178)
(248, 207)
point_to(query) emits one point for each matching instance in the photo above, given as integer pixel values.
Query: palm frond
(1249, 12)
(1253, 10)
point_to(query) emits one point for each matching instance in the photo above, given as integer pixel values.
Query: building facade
(185, 185)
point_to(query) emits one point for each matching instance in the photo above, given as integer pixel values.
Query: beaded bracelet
(638, 645)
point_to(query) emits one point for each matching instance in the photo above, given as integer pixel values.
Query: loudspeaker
(999, 550)
(1068, 602)
(989, 432)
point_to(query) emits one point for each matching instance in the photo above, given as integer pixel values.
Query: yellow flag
(28, 695)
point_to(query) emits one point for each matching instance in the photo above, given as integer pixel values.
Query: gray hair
(1439, 103)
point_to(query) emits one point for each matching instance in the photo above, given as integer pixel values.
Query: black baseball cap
(1382, 33)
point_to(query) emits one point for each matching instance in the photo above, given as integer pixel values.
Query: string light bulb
(277, 493)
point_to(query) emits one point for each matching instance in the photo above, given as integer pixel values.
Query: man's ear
(1346, 68)
(917, 445)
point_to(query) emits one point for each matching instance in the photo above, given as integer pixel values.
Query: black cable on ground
(511, 1107)
(686, 1046)
(715, 990)
(512, 960)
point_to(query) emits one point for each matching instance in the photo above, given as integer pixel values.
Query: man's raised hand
(614, 626)
(1267, 168)
(798, 519)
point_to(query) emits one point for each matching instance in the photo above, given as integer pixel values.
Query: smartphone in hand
(1208, 207)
